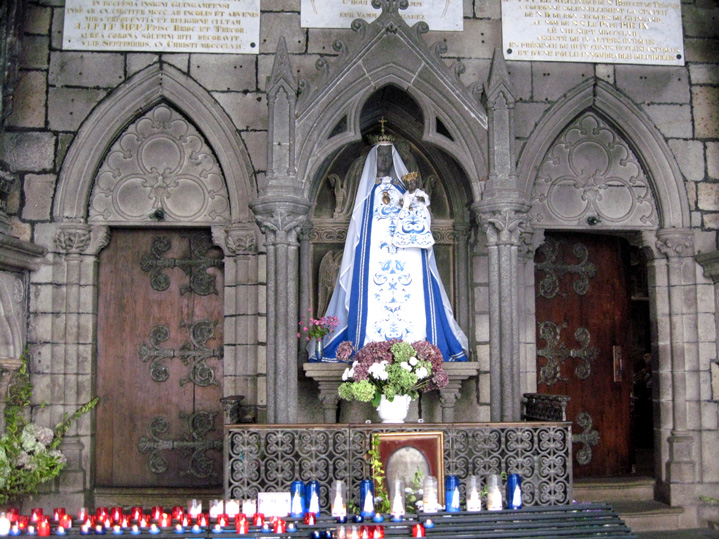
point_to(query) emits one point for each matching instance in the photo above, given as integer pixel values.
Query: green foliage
(381, 498)
(412, 493)
(712, 501)
(29, 454)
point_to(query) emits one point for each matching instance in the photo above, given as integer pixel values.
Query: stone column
(675, 246)
(281, 222)
(305, 277)
(241, 312)
(461, 245)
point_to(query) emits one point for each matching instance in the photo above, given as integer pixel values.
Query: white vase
(394, 411)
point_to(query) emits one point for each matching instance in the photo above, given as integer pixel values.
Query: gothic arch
(151, 86)
(389, 52)
(640, 133)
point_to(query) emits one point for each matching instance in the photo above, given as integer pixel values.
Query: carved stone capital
(280, 220)
(236, 240)
(461, 231)
(77, 239)
(448, 397)
(305, 233)
(503, 227)
(675, 242)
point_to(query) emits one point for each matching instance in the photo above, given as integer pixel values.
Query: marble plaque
(445, 15)
(603, 31)
(209, 26)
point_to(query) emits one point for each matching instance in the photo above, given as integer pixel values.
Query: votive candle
(418, 530)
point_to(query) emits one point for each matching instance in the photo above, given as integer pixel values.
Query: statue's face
(412, 185)
(384, 160)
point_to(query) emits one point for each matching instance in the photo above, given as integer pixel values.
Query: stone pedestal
(329, 377)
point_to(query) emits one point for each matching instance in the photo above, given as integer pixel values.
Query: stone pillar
(305, 278)
(461, 245)
(281, 221)
(674, 265)
(242, 312)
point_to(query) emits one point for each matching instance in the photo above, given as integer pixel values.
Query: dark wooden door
(583, 344)
(159, 368)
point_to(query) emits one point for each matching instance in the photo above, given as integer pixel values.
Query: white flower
(347, 374)
(413, 361)
(422, 373)
(405, 366)
(379, 370)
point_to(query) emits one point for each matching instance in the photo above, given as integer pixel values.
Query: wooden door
(583, 344)
(159, 367)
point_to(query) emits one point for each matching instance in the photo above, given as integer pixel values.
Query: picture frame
(403, 453)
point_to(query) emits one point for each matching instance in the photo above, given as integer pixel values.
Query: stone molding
(236, 240)
(675, 242)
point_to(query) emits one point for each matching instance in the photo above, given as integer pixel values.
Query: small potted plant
(391, 374)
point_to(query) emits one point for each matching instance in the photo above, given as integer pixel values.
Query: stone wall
(59, 90)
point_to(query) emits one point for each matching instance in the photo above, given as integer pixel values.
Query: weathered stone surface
(674, 121)
(646, 84)
(276, 25)
(135, 62)
(700, 22)
(37, 19)
(487, 9)
(256, 143)
(224, 72)
(476, 41)
(708, 196)
(551, 80)
(29, 151)
(281, 5)
(179, 60)
(476, 70)
(58, 20)
(86, 69)
(303, 66)
(63, 144)
(712, 157)
(690, 157)
(605, 72)
(701, 50)
(711, 221)
(69, 106)
(28, 108)
(35, 52)
(247, 110)
(39, 189)
(705, 100)
(704, 73)
(691, 194)
(320, 40)
(526, 116)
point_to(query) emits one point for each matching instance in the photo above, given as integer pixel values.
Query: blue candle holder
(514, 491)
(358, 519)
(378, 518)
(312, 497)
(451, 494)
(298, 505)
(367, 498)
(429, 523)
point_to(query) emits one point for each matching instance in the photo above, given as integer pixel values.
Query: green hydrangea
(402, 351)
(401, 380)
(362, 391)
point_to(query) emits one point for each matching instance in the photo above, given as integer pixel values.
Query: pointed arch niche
(596, 124)
(168, 129)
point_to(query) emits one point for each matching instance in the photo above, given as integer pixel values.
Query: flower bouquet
(391, 368)
(317, 329)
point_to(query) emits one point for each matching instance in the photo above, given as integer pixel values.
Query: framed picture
(403, 454)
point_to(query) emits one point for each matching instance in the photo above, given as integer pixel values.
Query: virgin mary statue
(384, 291)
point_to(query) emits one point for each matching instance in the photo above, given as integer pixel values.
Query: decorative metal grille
(267, 458)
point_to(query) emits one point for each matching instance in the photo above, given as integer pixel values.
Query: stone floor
(703, 533)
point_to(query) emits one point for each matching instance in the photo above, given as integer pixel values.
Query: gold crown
(410, 176)
(382, 138)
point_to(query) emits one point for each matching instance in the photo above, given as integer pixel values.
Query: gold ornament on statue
(382, 138)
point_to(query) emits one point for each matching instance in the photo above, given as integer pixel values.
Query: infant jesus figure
(414, 219)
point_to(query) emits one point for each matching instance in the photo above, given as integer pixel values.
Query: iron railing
(267, 458)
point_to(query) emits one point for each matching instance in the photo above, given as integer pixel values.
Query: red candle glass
(223, 520)
(203, 519)
(144, 521)
(156, 513)
(185, 521)
(36, 514)
(177, 512)
(378, 532)
(280, 526)
(57, 513)
(82, 514)
(258, 519)
(102, 512)
(418, 530)
(165, 520)
(136, 513)
(66, 521)
(23, 521)
(116, 514)
(43, 528)
(242, 526)
(310, 519)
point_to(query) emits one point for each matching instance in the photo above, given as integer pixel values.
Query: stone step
(614, 489)
(650, 515)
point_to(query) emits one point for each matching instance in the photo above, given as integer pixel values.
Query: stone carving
(72, 241)
(160, 169)
(675, 242)
(329, 268)
(591, 175)
(503, 227)
(328, 234)
(241, 242)
(338, 187)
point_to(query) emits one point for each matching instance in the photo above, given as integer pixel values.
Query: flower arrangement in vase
(29, 453)
(384, 371)
(317, 329)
